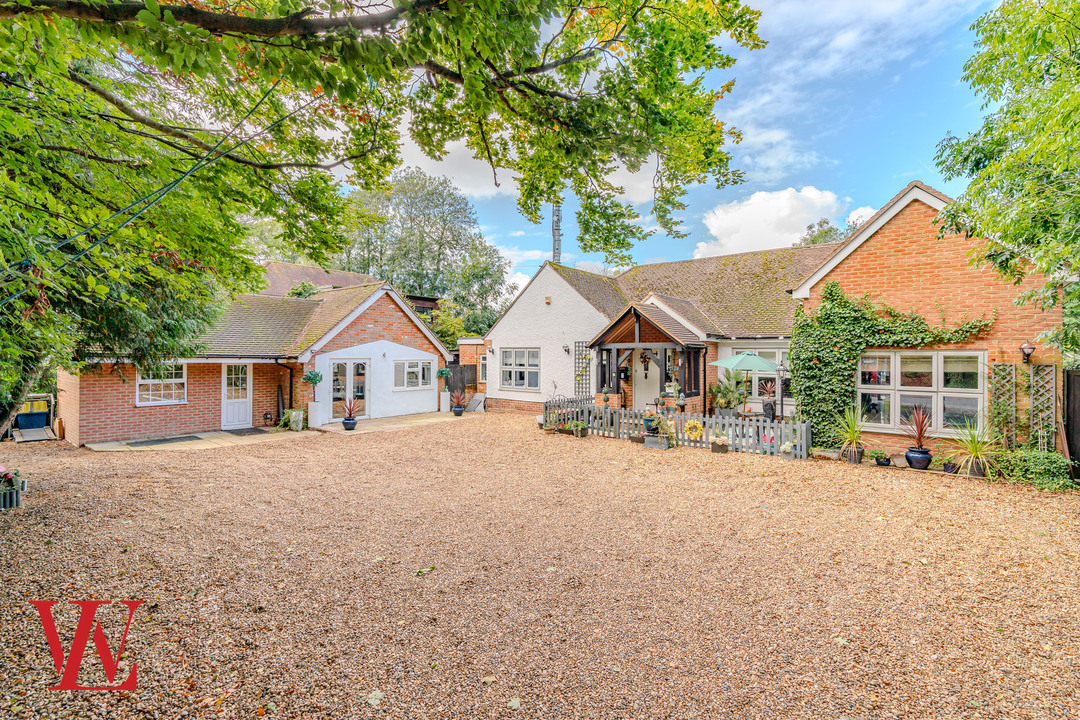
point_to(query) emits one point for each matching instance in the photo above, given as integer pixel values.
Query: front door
(235, 396)
(646, 384)
(349, 382)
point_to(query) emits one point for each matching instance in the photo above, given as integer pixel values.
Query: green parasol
(748, 362)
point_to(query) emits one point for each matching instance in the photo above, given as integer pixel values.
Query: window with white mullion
(948, 384)
(519, 369)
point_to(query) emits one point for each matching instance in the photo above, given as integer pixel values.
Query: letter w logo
(69, 670)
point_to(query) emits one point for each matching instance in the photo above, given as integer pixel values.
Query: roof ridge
(728, 255)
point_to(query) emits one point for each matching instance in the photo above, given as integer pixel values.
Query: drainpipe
(277, 362)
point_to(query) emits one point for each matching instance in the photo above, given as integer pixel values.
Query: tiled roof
(281, 277)
(262, 326)
(744, 295)
(740, 295)
(689, 311)
(258, 326)
(599, 290)
(668, 324)
(334, 305)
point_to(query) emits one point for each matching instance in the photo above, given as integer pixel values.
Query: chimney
(556, 233)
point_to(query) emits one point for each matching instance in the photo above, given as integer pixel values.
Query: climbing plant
(826, 344)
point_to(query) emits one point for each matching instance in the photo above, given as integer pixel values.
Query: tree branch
(217, 23)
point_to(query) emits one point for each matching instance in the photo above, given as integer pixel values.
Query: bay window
(949, 385)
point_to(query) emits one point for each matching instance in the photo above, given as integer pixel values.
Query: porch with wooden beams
(646, 331)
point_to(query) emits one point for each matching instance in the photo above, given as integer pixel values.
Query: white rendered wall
(532, 323)
(382, 399)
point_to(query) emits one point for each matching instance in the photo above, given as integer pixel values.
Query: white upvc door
(348, 380)
(236, 396)
(646, 389)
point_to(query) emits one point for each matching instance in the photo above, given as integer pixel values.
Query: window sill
(519, 389)
(414, 389)
(163, 403)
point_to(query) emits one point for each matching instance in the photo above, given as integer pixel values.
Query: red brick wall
(106, 410)
(384, 320)
(905, 265)
(503, 405)
(67, 404)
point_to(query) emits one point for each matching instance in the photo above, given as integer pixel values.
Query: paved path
(200, 441)
(394, 423)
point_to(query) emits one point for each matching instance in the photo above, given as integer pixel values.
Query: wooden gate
(1072, 412)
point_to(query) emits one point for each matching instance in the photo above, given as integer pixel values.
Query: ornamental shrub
(1038, 468)
(826, 343)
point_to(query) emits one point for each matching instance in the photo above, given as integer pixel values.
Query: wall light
(1027, 349)
(566, 349)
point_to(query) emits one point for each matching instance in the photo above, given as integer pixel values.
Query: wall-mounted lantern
(1027, 349)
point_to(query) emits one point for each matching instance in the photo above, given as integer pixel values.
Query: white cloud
(472, 176)
(517, 256)
(860, 214)
(637, 186)
(767, 219)
(516, 233)
(815, 42)
(520, 279)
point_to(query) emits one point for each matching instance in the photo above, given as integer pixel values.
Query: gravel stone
(593, 578)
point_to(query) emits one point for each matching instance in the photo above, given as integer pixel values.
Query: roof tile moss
(739, 295)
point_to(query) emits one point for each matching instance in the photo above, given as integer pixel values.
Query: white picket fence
(751, 435)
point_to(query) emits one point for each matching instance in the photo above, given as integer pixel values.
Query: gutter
(277, 362)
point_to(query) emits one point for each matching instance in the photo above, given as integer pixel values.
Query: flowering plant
(8, 477)
(719, 439)
(649, 413)
(787, 447)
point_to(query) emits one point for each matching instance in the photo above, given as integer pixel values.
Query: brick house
(366, 340)
(898, 259)
(571, 332)
(665, 322)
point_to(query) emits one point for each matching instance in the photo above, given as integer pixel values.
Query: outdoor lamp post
(780, 370)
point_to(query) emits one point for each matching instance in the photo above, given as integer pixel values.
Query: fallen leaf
(488, 679)
(514, 704)
(375, 698)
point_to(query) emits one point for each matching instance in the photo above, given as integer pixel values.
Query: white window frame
(756, 377)
(527, 368)
(937, 389)
(483, 368)
(149, 382)
(418, 367)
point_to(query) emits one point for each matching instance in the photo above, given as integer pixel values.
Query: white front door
(646, 385)
(235, 396)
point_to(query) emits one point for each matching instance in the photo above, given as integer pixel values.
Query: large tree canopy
(1024, 162)
(102, 103)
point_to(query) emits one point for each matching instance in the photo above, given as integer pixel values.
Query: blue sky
(841, 110)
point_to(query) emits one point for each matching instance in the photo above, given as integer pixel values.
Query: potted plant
(637, 438)
(650, 419)
(579, 428)
(975, 450)
(457, 402)
(719, 443)
(787, 451)
(550, 429)
(917, 427)
(11, 488)
(849, 428)
(950, 465)
(349, 421)
(881, 458)
(313, 378)
(445, 374)
(768, 407)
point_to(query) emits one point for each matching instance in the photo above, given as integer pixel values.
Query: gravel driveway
(481, 568)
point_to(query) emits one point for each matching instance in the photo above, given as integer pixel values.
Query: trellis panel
(1044, 404)
(1003, 399)
(582, 369)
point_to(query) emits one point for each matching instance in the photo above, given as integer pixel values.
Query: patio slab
(199, 441)
(397, 422)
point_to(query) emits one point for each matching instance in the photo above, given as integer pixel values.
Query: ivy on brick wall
(826, 344)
